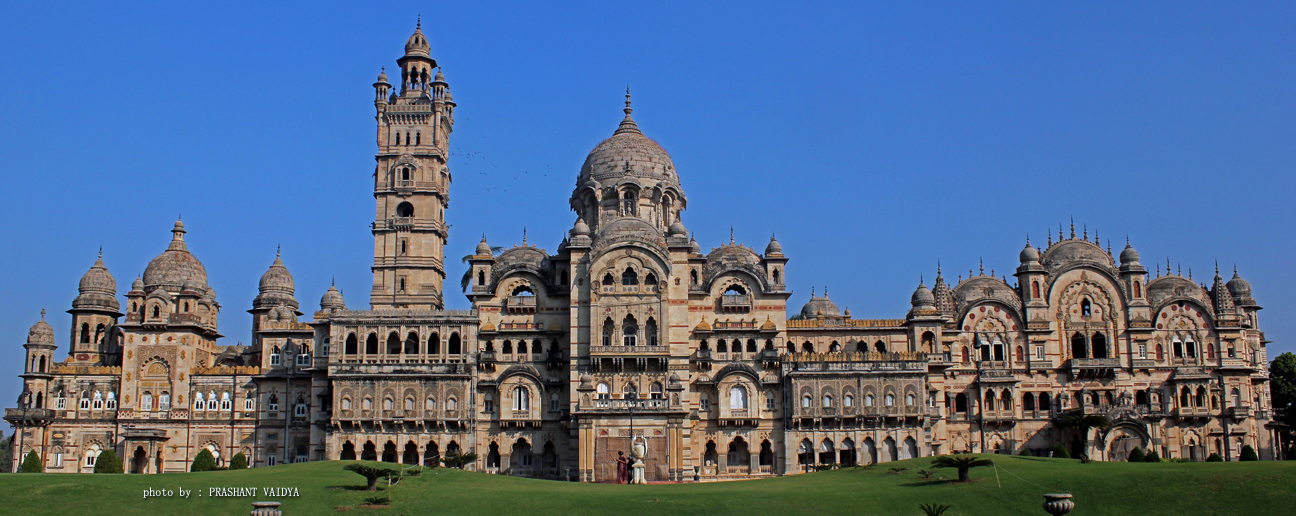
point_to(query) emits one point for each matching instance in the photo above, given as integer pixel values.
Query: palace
(629, 330)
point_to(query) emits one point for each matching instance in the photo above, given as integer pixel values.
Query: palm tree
(962, 463)
(371, 473)
(467, 277)
(934, 509)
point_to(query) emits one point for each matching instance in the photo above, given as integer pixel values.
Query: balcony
(735, 303)
(640, 404)
(1094, 367)
(1240, 412)
(629, 350)
(486, 357)
(18, 416)
(702, 355)
(521, 304)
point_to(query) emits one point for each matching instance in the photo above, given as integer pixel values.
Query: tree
(1282, 389)
(108, 462)
(238, 461)
(1025, 452)
(1152, 456)
(467, 277)
(1135, 455)
(32, 464)
(459, 460)
(6, 453)
(204, 461)
(1249, 454)
(1214, 457)
(962, 463)
(934, 509)
(371, 473)
(1060, 452)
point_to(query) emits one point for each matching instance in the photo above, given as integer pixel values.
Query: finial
(1060, 232)
(333, 281)
(981, 264)
(1073, 227)
(731, 238)
(627, 108)
(1086, 231)
(101, 250)
(42, 314)
(1158, 269)
(524, 235)
(1126, 240)
(1050, 238)
(811, 292)
(1235, 269)
(920, 278)
(1109, 253)
(1217, 266)
(420, 22)
(278, 249)
(991, 273)
(825, 291)
(1027, 239)
(1190, 272)
(1179, 269)
(938, 267)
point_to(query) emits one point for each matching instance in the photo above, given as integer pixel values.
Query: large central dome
(176, 267)
(628, 153)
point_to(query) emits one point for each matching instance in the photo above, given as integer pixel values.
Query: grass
(1141, 489)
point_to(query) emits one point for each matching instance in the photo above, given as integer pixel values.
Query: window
(630, 392)
(651, 330)
(555, 404)
(848, 401)
(274, 403)
(452, 404)
(409, 404)
(60, 403)
(429, 404)
(146, 402)
(1085, 309)
(910, 400)
(1039, 352)
(705, 403)
(211, 401)
(521, 398)
(655, 391)
(389, 404)
(806, 402)
(629, 277)
(769, 401)
(299, 410)
(890, 400)
(629, 331)
(164, 401)
(91, 455)
(226, 404)
(98, 401)
(85, 403)
(607, 331)
(249, 404)
(275, 356)
(303, 358)
(827, 401)
(868, 400)
(488, 403)
(366, 404)
(603, 391)
(1232, 352)
(738, 398)
(58, 460)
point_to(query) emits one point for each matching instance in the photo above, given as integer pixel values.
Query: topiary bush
(238, 461)
(1060, 452)
(204, 461)
(1249, 454)
(32, 463)
(1152, 457)
(1135, 455)
(1024, 453)
(1214, 457)
(108, 462)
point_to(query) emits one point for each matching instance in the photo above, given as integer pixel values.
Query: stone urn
(265, 509)
(638, 450)
(1058, 504)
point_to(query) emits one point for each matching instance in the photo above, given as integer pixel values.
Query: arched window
(366, 404)
(393, 343)
(1178, 348)
(429, 404)
(1085, 309)
(654, 391)
(453, 347)
(869, 400)
(721, 347)
(629, 331)
(650, 279)
(1099, 342)
(890, 400)
(1237, 397)
(738, 397)
(629, 202)
(275, 356)
(507, 349)
(650, 330)
(607, 280)
(630, 392)
(807, 347)
(1021, 354)
(409, 403)
(608, 328)
(693, 277)
(389, 404)
(226, 404)
(434, 344)
(1192, 348)
(371, 344)
(1138, 289)
(481, 278)
(834, 347)
(1079, 348)
(603, 391)
(1035, 290)
(629, 277)
(346, 403)
(1160, 352)
(751, 345)
(521, 399)
(806, 401)
(352, 344)
(880, 347)
(967, 355)
(827, 400)
(960, 403)
(848, 401)
(85, 333)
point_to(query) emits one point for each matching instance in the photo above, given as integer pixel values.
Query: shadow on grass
(354, 488)
(926, 483)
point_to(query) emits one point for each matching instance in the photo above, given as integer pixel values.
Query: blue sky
(874, 139)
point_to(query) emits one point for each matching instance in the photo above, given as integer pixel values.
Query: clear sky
(873, 139)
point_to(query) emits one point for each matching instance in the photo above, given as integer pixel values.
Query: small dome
(677, 229)
(483, 248)
(1029, 254)
(580, 228)
(332, 299)
(277, 278)
(98, 279)
(439, 77)
(137, 285)
(41, 332)
(417, 44)
(820, 307)
(923, 297)
(382, 76)
(628, 153)
(774, 247)
(694, 248)
(1129, 256)
(769, 325)
(1238, 286)
(175, 265)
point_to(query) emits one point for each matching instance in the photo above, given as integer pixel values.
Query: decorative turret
(276, 288)
(94, 313)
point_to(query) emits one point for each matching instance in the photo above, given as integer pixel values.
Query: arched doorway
(431, 455)
(370, 451)
(520, 458)
(348, 451)
(739, 455)
(389, 452)
(549, 459)
(411, 455)
(847, 452)
(493, 456)
(139, 461)
(766, 457)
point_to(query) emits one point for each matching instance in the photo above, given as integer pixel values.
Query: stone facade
(629, 329)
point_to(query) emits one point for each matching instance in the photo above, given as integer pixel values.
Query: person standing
(623, 468)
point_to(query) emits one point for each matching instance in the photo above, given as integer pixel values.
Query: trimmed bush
(1024, 453)
(1249, 454)
(1152, 457)
(204, 461)
(238, 461)
(32, 463)
(1060, 452)
(108, 462)
(1135, 455)
(1214, 457)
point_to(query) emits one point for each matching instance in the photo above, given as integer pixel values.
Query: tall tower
(411, 182)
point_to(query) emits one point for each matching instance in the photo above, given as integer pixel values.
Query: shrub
(459, 460)
(204, 461)
(108, 462)
(1249, 454)
(1060, 452)
(371, 473)
(32, 463)
(238, 461)
(933, 509)
(1025, 453)
(962, 463)
(414, 472)
(1152, 457)
(378, 500)
(1135, 455)
(1214, 457)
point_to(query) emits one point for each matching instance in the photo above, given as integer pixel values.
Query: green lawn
(1100, 488)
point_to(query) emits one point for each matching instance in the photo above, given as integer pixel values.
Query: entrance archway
(139, 461)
